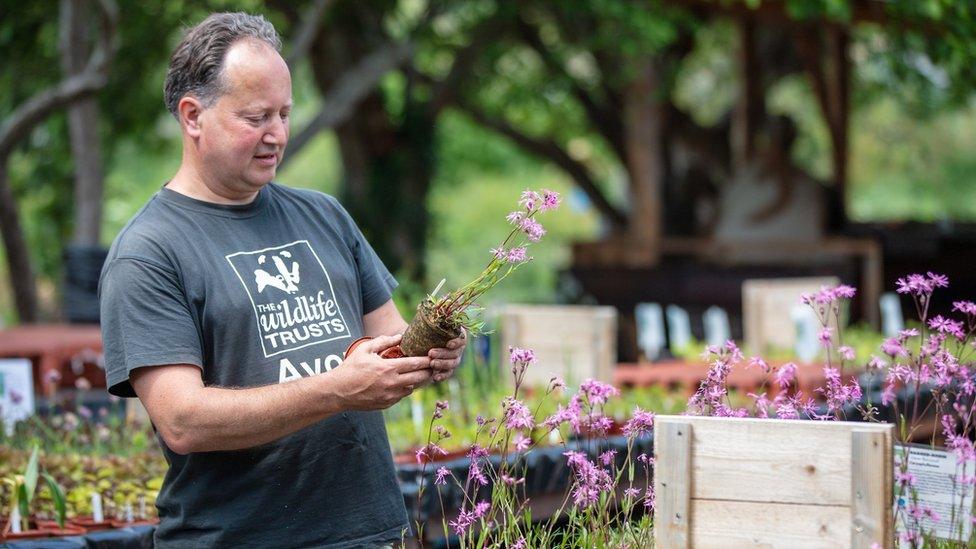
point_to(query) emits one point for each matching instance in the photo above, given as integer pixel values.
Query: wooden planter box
(744, 482)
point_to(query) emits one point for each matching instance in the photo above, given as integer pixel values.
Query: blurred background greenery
(912, 126)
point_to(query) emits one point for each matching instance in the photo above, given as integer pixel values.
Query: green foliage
(23, 488)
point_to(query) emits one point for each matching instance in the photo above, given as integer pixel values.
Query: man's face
(244, 133)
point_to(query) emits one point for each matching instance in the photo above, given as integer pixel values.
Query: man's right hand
(365, 381)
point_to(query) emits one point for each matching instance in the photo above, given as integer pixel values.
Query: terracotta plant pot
(423, 334)
(91, 524)
(123, 524)
(38, 529)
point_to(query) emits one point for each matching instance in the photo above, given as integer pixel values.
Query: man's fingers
(380, 343)
(413, 379)
(443, 364)
(409, 364)
(444, 353)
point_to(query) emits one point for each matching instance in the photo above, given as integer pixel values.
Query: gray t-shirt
(263, 293)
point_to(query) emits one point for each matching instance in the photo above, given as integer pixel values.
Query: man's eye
(255, 119)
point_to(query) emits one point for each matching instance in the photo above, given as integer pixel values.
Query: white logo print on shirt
(286, 280)
(294, 317)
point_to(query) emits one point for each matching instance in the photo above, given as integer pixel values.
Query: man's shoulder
(311, 196)
(147, 234)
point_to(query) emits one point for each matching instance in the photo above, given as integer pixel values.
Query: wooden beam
(672, 484)
(748, 112)
(871, 488)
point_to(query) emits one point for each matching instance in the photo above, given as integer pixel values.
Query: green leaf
(58, 496)
(30, 475)
(22, 502)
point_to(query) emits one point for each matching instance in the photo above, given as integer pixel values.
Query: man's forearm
(216, 418)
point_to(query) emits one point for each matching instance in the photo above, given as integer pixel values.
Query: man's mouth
(267, 159)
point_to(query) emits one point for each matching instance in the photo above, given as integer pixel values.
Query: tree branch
(354, 85)
(311, 25)
(95, 75)
(553, 152)
(485, 33)
(606, 122)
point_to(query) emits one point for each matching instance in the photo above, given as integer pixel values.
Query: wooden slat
(733, 524)
(776, 461)
(870, 488)
(672, 484)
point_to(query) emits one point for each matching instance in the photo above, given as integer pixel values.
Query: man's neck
(190, 182)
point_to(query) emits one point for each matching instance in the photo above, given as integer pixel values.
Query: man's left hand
(445, 361)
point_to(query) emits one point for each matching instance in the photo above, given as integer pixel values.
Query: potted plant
(22, 522)
(441, 319)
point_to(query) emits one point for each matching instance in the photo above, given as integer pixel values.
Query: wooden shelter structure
(699, 270)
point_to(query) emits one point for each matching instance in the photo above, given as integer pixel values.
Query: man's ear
(189, 108)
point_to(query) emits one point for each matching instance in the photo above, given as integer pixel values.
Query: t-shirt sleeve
(145, 320)
(375, 279)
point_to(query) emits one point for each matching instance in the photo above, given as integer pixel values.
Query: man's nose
(277, 134)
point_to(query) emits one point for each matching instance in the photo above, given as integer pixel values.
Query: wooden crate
(767, 306)
(574, 342)
(745, 482)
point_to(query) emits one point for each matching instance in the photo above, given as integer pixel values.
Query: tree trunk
(18, 257)
(645, 163)
(82, 126)
(387, 163)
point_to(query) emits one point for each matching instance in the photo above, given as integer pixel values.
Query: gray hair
(197, 63)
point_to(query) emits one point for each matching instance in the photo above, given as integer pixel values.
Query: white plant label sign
(16, 392)
(937, 473)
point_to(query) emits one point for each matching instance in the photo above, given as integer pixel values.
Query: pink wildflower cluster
(467, 517)
(711, 396)
(828, 295)
(591, 480)
(517, 416)
(921, 285)
(640, 423)
(583, 410)
(836, 393)
(525, 224)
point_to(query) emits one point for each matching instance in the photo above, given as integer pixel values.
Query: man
(227, 303)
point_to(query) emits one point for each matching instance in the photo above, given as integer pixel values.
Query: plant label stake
(128, 513)
(15, 520)
(96, 501)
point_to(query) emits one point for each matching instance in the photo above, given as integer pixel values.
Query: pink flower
(760, 363)
(517, 354)
(893, 347)
(846, 352)
(520, 544)
(517, 415)
(530, 199)
(641, 422)
(632, 492)
(521, 442)
(429, 452)
(606, 458)
(463, 522)
(904, 478)
(517, 255)
(533, 229)
(597, 392)
(826, 336)
(550, 200)
(965, 307)
(481, 509)
(785, 375)
(499, 253)
(515, 218)
(442, 474)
